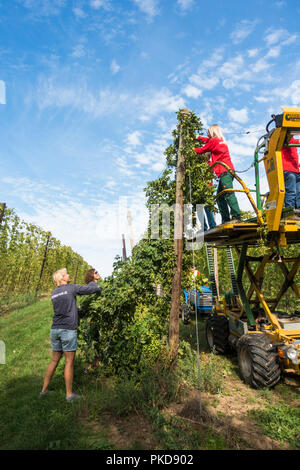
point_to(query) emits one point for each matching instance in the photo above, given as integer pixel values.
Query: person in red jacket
(216, 145)
(291, 173)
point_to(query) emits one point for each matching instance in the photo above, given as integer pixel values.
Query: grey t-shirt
(65, 306)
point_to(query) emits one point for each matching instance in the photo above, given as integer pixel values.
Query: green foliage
(162, 190)
(22, 249)
(280, 422)
(212, 371)
(127, 327)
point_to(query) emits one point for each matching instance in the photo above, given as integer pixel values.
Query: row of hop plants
(127, 327)
(22, 256)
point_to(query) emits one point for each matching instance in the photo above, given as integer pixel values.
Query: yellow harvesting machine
(267, 340)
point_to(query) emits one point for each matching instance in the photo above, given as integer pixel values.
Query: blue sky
(89, 92)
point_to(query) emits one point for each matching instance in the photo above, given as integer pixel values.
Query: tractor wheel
(258, 363)
(186, 314)
(217, 332)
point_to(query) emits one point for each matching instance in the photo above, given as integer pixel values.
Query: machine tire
(217, 333)
(258, 363)
(185, 314)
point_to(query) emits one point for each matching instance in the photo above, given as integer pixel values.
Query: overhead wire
(196, 313)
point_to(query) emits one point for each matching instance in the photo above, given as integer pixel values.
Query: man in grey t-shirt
(63, 334)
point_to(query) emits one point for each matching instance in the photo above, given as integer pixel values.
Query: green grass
(30, 422)
(11, 303)
(26, 420)
(280, 422)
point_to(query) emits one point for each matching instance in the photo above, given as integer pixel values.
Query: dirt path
(225, 414)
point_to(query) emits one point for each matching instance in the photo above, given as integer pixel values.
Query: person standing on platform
(217, 146)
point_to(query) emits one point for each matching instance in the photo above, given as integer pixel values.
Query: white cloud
(192, 92)
(149, 7)
(152, 154)
(243, 30)
(289, 95)
(2, 92)
(78, 12)
(231, 67)
(261, 99)
(51, 93)
(274, 52)
(159, 166)
(204, 82)
(78, 51)
(134, 139)
(159, 101)
(260, 65)
(238, 115)
(290, 40)
(253, 52)
(185, 4)
(97, 4)
(280, 4)
(212, 61)
(273, 36)
(76, 95)
(114, 67)
(44, 7)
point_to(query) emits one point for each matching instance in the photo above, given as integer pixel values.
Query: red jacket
(219, 152)
(290, 158)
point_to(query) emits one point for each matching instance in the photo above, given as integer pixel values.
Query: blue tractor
(202, 299)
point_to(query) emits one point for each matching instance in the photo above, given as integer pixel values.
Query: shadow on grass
(29, 421)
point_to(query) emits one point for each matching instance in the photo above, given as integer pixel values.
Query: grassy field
(118, 416)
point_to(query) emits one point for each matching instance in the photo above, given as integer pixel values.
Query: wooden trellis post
(130, 230)
(178, 247)
(75, 279)
(43, 262)
(124, 254)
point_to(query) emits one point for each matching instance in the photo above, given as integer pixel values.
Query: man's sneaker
(73, 397)
(235, 221)
(42, 394)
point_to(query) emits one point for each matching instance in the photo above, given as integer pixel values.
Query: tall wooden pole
(130, 230)
(178, 248)
(43, 262)
(75, 279)
(124, 248)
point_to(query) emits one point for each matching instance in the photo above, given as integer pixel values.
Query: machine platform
(230, 234)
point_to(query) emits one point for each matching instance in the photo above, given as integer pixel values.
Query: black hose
(270, 122)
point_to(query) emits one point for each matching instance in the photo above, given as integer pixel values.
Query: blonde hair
(58, 276)
(215, 131)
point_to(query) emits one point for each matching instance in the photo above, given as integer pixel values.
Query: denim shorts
(63, 340)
